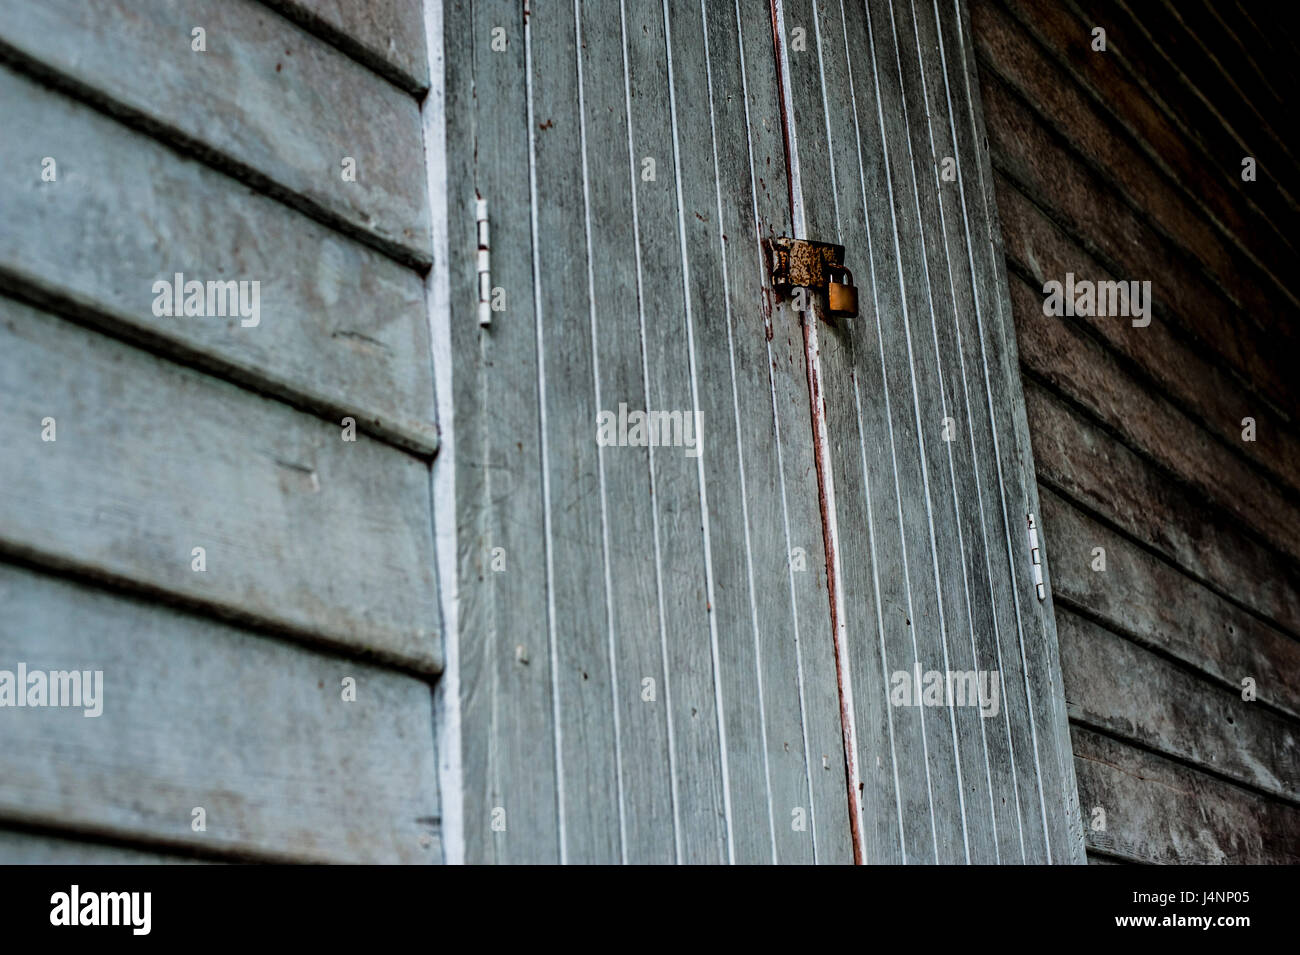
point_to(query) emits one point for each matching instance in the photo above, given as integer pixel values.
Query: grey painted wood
(342, 329)
(574, 493)
(713, 303)
(644, 812)
(30, 848)
(890, 748)
(1038, 645)
(990, 537)
(198, 714)
(387, 36)
(800, 683)
(266, 102)
(637, 563)
(1149, 601)
(967, 606)
(1083, 463)
(952, 567)
(325, 539)
(1174, 712)
(505, 652)
(1158, 811)
(703, 822)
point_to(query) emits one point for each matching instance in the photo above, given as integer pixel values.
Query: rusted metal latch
(816, 266)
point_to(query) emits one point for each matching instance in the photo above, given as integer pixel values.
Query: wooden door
(654, 666)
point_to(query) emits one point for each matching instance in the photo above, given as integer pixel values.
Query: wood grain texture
(1173, 711)
(1222, 195)
(1074, 364)
(1125, 244)
(266, 102)
(1165, 83)
(1194, 379)
(342, 329)
(910, 507)
(19, 847)
(1091, 468)
(1161, 812)
(1149, 601)
(198, 714)
(1125, 164)
(573, 483)
(327, 540)
(700, 796)
(507, 713)
(1099, 141)
(642, 822)
(387, 36)
(1036, 622)
(639, 563)
(799, 679)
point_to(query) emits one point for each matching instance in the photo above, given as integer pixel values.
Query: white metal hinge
(1036, 557)
(484, 265)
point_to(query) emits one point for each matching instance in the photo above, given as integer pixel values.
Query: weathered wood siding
(223, 688)
(632, 156)
(1126, 165)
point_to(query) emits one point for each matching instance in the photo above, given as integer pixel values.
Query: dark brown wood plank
(1059, 104)
(1174, 712)
(1085, 463)
(1075, 365)
(1145, 599)
(1193, 379)
(1240, 207)
(1158, 811)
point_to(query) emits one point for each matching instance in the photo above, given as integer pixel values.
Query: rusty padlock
(842, 297)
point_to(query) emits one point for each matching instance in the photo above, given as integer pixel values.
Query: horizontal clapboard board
(196, 714)
(386, 35)
(263, 100)
(341, 329)
(303, 531)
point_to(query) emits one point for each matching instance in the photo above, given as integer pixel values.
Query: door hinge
(815, 266)
(1036, 559)
(484, 264)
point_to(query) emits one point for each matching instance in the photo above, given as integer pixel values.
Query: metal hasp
(819, 266)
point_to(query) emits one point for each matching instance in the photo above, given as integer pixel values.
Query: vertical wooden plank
(941, 410)
(573, 475)
(508, 741)
(700, 772)
(733, 615)
(1035, 619)
(971, 455)
(631, 532)
(798, 655)
(894, 796)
